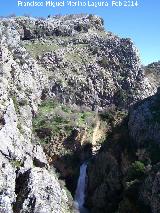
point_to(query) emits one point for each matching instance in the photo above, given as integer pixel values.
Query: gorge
(71, 93)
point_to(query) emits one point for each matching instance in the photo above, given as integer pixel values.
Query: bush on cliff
(136, 171)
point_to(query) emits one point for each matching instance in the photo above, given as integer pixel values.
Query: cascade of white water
(80, 190)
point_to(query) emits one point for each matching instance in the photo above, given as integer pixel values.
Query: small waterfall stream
(80, 190)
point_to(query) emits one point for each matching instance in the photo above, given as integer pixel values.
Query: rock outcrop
(127, 166)
(144, 121)
(145, 116)
(152, 72)
(27, 184)
(85, 65)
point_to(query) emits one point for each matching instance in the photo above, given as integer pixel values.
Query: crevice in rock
(21, 190)
(38, 163)
(5, 155)
(2, 122)
(44, 94)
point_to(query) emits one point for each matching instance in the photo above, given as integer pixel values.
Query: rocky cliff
(66, 85)
(85, 65)
(124, 176)
(27, 183)
(152, 72)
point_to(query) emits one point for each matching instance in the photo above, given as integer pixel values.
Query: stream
(80, 190)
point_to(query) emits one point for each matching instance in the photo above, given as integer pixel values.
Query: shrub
(136, 171)
(16, 104)
(16, 163)
(104, 62)
(102, 21)
(20, 128)
(5, 23)
(23, 102)
(54, 119)
(79, 27)
(90, 17)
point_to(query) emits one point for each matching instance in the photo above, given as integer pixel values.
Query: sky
(140, 23)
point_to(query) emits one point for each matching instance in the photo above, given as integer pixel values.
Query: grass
(38, 48)
(77, 55)
(74, 57)
(16, 104)
(47, 106)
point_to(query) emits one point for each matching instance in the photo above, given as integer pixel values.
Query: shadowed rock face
(124, 176)
(144, 128)
(144, 121)
(72, 59)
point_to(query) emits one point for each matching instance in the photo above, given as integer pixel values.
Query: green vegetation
(122, 97)
(102, 21)
(122, 94)
(74, 57)
(135, 175)
(37, 48)
(113, 116)
(90, 17)
(136, 171)
(79, 27)
(56, 119)
(104, 62)
(16, 104)
(77, 55)
(16, 163)
(19, 127)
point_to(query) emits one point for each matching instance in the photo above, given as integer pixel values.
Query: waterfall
(80, 190)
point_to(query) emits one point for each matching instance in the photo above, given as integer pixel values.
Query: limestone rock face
(144, 127)
(26, 182)
(127, 166)
(96, 69)
(7, 185)
(40, 192)
(152, 72)
(31, 28)
(144, 122)
(85, 65)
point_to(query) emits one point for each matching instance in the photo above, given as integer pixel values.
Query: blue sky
(141, 23)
